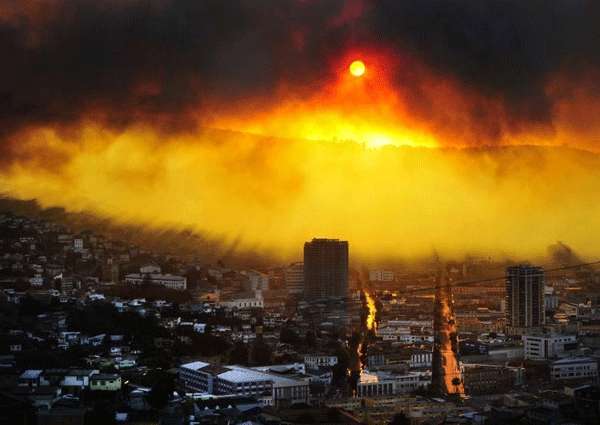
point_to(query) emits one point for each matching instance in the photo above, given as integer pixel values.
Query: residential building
(105, 382)
(178, 283)
(385, 384)
(480, 379)
(544, 347)
(524, 298)
(294, 278)
(381, 275)
(325, 268)
(574, 368)
(243, 303)
(314, 361)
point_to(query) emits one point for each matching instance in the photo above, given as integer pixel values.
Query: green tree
(310, 339)
(161, 390)
(239, 354)
(400, 419)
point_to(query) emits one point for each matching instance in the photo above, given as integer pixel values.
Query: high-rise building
(524, 298)
(325, 268)
(294, 279)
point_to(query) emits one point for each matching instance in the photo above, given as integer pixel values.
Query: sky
(473, 129)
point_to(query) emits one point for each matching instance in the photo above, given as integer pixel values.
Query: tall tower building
(325, 268)
(294, 279)
(524, 298)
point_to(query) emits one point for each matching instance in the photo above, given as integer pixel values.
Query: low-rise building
(544, 347)
(242, 381)
(386, 384)
(178, 283)
(574, 368)
(243, 303)
(105, 382)
(479, 379)
(315, 361)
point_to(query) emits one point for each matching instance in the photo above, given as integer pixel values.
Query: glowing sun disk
(357, 68)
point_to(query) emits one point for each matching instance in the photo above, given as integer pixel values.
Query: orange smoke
(274, 178)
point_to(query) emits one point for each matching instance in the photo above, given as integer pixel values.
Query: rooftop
(196, 366)
(573, 360)
(31, 374)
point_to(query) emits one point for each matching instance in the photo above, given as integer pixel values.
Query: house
(31, 378)
(42, 397)
(77, 380)
(105, 382)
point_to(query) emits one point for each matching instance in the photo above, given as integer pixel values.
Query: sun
(357, 68)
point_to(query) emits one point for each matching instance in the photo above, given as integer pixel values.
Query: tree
(161, 390)
(400, 419)
(289, 336)
(310, 339)
(239, 354)
(261, 353)
(456, 382)
(103, 413)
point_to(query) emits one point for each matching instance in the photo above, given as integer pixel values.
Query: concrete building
(294, 279)
(258, 281)
(574, 368)
(386, 384)
(524, 298)
(105, 382)
(314, 361)
(480, 379)
(325, 268)
(381, 275)
(544, 347)
(243, 303)
(195, 377)
(242, 381)
(178, 283)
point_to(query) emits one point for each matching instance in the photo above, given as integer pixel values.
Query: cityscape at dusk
(264, 212)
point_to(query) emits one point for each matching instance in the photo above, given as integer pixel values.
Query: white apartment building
(544, 347)
(242, 381)
(178, 283)
(196, 377)
(243, 303)
(574, 368)
(385, 384)
(314, 361)
(420, 358)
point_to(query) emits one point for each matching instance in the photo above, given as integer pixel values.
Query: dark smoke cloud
(563, 255)
(501, 48)
(120, 62)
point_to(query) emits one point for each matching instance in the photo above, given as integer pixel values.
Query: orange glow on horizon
(354, 158)
(353, 106)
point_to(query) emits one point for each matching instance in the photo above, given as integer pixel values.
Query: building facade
(178, 283)
(524, 298)
(574, 368)
(294, 279)
(544, 347)
(325, 268)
